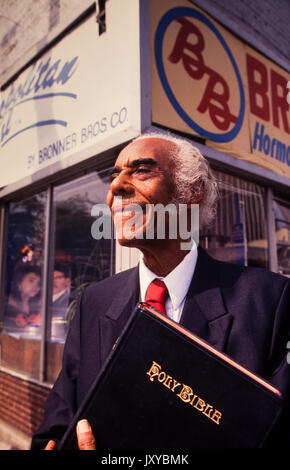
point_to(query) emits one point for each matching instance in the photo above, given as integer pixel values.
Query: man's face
(142, 175)
(60, 282)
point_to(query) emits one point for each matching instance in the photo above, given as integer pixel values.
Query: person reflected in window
(23, 307)
(61, 290)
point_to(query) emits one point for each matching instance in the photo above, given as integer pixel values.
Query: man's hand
(86, 440)
(51, 445)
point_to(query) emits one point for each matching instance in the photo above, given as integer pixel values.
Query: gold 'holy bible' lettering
(184, 392)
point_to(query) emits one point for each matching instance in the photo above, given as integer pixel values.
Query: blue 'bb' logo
(215, 103)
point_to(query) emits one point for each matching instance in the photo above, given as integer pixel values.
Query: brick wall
(26, 27)
(21, 403)
(267, 21)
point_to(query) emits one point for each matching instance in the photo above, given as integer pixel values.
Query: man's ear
(197, 193)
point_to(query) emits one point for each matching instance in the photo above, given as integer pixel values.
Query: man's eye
(143, 170)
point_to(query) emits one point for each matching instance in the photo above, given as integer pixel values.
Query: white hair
(191, 175)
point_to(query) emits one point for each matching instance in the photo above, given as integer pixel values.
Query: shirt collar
(177, 281)
(59, 294)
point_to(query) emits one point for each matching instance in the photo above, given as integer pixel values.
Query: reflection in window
(22, 316)
(238, 233)
(282, 227)
(79, 259)
(61, 289)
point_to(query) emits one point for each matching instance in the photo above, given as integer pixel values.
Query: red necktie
(156, 295)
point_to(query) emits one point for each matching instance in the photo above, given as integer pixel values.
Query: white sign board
(83, 91)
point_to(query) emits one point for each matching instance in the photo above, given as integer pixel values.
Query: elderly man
(241, 311)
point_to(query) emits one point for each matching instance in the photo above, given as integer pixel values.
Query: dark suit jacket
(241, 311)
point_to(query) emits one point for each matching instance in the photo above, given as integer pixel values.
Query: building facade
(79, 80)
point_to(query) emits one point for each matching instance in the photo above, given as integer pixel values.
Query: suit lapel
(204, 312)
(125, 295)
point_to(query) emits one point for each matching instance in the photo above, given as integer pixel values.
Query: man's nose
(121, 185)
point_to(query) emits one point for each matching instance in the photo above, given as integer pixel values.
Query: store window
(282, 228)
(23, 296)
(239, 231)
(32, 333)
(79, 259)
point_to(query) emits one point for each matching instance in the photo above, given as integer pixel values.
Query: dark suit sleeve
(280, 360)
(61, 403)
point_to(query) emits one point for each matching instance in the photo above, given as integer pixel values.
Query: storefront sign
(80, 93)
(207, 82)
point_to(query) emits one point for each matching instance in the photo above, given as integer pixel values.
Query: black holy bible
(163, 388)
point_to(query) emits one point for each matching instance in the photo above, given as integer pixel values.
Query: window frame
(48, 262)
(266, 204)
(284, 202)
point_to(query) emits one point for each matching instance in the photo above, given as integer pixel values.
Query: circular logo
(196, 67)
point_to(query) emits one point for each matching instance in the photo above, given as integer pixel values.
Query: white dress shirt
(177, 282)
(59, 294)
